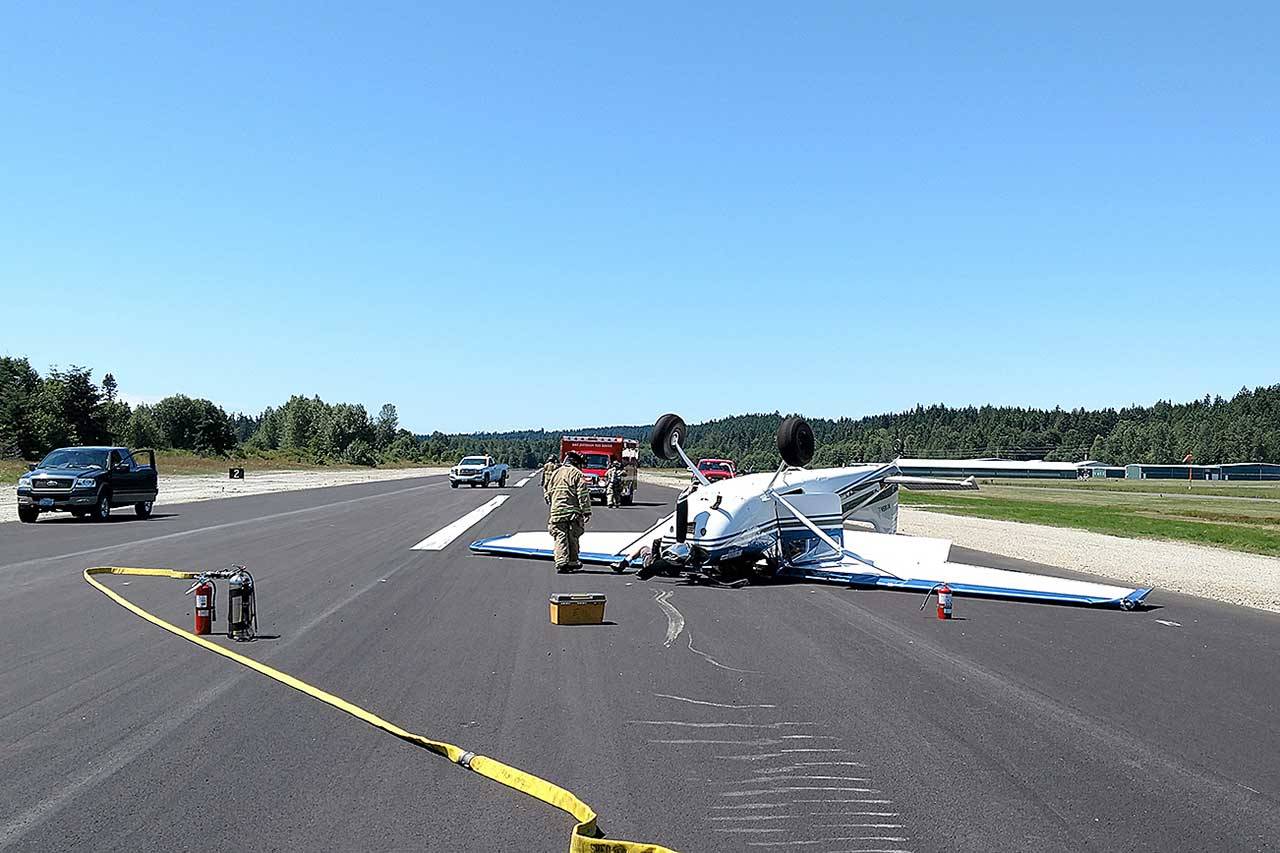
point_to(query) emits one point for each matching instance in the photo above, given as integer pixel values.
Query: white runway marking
(709, 704)
(520, 485)
(442, 537)
(675, 619)
(1170, 624)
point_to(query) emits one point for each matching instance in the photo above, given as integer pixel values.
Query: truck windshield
(595, 460)
(714, 466)
(75, 459)
(473, 460)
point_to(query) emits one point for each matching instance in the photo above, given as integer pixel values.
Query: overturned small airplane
(836, 525)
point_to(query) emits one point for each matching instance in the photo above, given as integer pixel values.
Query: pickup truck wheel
(142, 509)
(453, 484)
(28, 515)
(502, 481)
(102, 511)
(485, 484)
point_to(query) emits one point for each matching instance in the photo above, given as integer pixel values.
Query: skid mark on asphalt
(817, 798)
(439, 540)
(709, 704)
(675, 619)
(709, 659)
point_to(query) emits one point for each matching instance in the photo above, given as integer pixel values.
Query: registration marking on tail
(440, 540)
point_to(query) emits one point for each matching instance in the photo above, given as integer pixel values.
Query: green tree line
(1244, 428)
(66, 407)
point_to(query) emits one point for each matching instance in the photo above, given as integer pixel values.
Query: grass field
(1242, 517)
(177, 462)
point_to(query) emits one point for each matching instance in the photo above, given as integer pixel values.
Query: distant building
(1142, 471)
(1028, 468)
(1091, 470)
(1250, 471)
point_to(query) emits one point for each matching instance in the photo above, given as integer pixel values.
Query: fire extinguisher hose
(586, 837)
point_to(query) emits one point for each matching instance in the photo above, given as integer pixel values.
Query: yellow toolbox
(577, 608)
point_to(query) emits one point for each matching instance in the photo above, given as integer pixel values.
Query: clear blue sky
(510, 217)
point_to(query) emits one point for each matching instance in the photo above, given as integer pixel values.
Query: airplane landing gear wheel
(666, 433)
(795, 441)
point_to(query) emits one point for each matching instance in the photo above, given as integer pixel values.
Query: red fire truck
(598, 453)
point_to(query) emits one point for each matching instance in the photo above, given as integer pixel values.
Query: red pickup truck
(717, 469)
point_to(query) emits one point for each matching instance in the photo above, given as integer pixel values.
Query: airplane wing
(920, 563)
(603, 549)
(933, 484)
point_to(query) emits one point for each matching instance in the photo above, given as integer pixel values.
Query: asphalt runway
(792, 717)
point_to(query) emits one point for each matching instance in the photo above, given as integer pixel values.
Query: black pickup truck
(89, 481)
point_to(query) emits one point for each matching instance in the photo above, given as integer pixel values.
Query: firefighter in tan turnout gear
(613, 484)
(570, 500)
(547, 470)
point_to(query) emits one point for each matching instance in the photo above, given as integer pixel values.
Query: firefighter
(613, 484)
(548, 469)
(570, 500)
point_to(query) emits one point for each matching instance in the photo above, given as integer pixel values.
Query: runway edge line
(586, 834)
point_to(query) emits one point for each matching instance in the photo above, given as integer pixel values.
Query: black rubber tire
(795, 441)
(142, 509)
(485, 484)
(28, 515)
(502, 481)
(102, 509)
(453, 484)
(627, 499)
(664, 429)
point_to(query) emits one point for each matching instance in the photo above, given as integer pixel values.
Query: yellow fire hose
(585, 837)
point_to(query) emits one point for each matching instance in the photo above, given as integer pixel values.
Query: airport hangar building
(1225, 471)
(1039, 469)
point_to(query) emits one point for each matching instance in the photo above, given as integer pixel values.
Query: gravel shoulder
(1231, 576)
(188, 488)
(1251, 580)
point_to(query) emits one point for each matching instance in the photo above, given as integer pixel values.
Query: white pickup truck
(478, 471)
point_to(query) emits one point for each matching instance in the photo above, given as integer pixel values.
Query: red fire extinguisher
(206, 611)
(944, 600)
